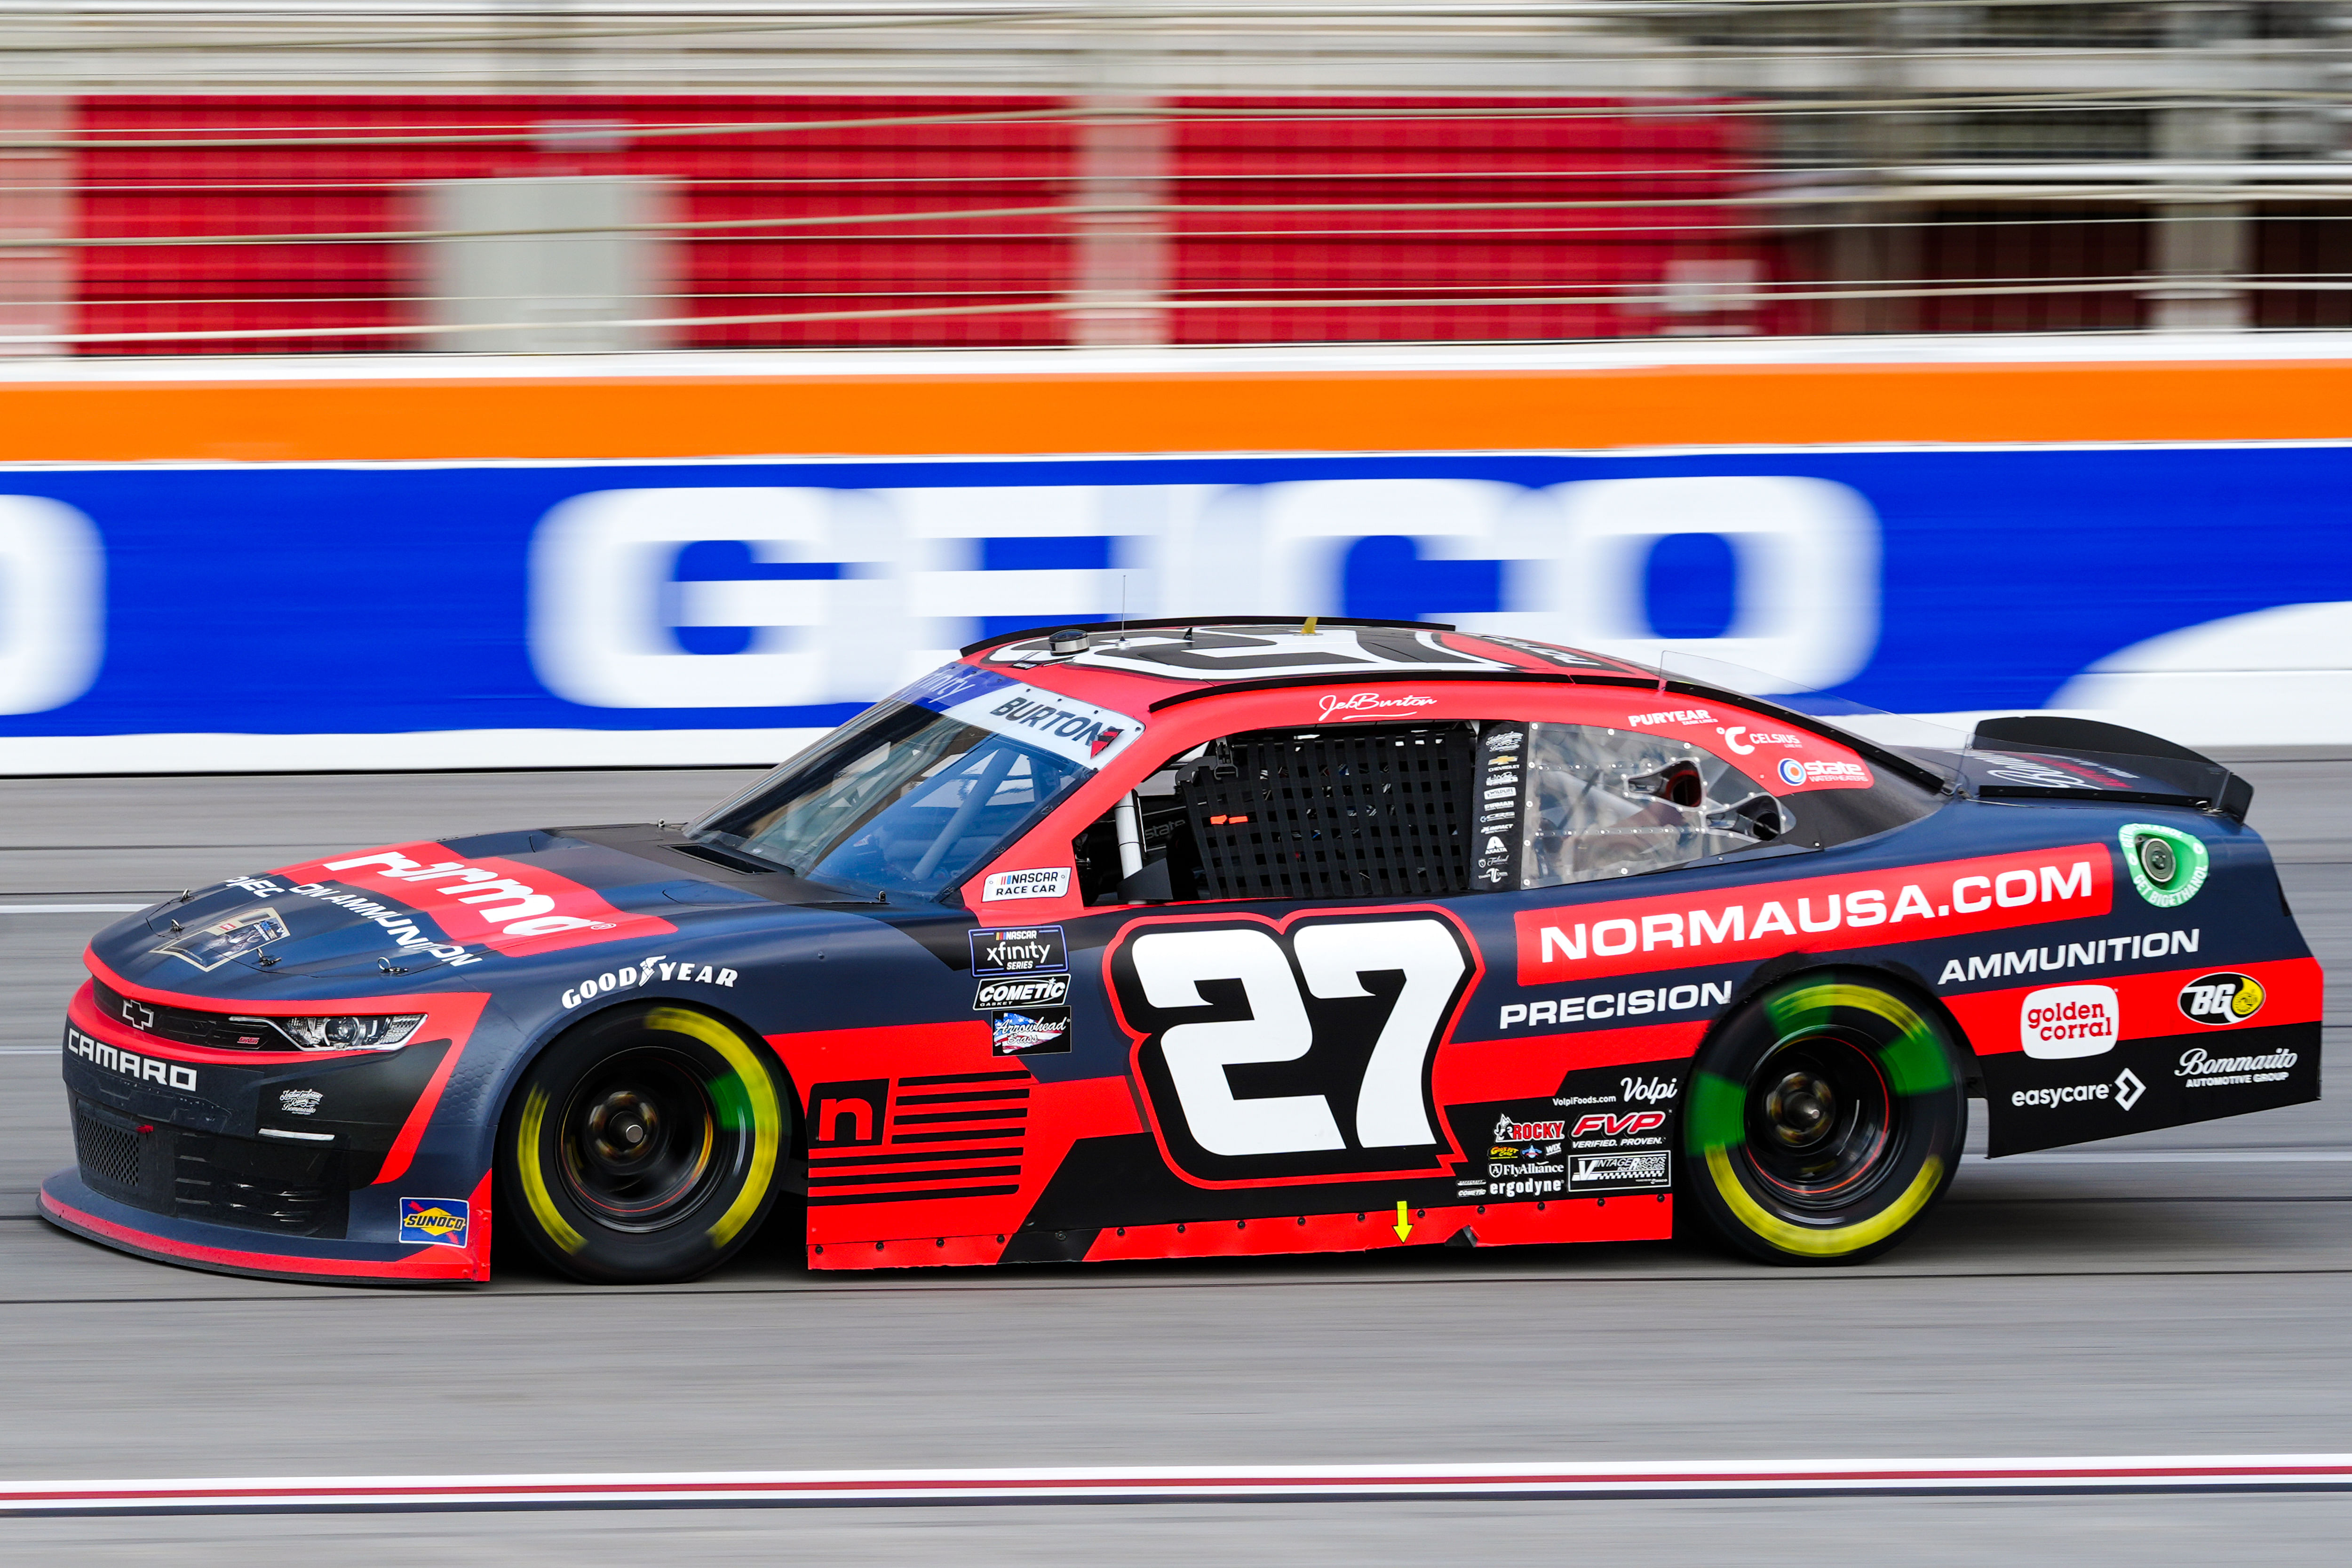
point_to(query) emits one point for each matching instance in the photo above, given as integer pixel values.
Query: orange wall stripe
(461, 420)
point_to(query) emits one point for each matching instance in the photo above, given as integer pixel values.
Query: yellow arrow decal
(1404, 1225)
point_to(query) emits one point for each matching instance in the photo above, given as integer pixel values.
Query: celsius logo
(2063, 1021)
(2220, 999)
(1791, 771)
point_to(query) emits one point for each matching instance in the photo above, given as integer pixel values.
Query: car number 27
(1298, 1051)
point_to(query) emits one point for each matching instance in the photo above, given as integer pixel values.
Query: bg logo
(2218, 999)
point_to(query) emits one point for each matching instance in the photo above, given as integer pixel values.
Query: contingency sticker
(434, 1222)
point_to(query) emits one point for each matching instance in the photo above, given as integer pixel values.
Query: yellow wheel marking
(534, 1184)
(767, 1115)
(1810, 1242)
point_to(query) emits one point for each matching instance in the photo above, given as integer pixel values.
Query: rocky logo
(1509, 1131)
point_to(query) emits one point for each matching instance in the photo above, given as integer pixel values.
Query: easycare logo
(504, 905)
(1912, 903)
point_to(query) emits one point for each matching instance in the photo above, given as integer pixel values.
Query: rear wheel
(1822, 1120)
(642, 1147)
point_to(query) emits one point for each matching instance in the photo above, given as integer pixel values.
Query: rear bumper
(69, 1203)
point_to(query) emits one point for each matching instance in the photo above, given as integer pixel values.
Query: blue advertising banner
(716, 612)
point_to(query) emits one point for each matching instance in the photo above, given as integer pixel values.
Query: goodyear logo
(434, 1222)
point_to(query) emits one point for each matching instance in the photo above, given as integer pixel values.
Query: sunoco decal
(435, 1222)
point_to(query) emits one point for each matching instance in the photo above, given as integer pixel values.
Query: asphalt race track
(2184, 1292)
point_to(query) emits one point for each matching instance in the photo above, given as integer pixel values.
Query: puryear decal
(1294, 1051)
(504, 905)
(1866, 908)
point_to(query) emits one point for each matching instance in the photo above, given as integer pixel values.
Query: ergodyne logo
(2223, 999)
(2061, 1022)
(1910, 903)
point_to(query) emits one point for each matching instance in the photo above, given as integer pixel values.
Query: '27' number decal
(1297, 1052)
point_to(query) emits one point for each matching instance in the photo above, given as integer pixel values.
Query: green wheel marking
(748, 1093)
(1716, 1116)
(1914, 1060)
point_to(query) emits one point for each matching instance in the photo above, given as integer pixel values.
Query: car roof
(1145, 664)
(1140, 666)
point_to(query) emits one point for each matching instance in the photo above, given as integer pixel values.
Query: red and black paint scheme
(1320, 1003)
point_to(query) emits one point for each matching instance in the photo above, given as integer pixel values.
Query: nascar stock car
(1177, 939)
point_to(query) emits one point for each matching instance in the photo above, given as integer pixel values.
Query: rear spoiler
(2041, 755)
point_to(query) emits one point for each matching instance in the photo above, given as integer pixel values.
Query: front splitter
(69, 1203)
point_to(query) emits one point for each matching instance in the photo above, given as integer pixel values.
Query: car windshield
(900, 800)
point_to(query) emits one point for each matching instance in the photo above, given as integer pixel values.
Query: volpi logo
(2168, 866)
(2218, 999)
(435, 1222)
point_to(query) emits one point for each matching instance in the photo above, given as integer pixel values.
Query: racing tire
(1823, 1120)
(643, 1147)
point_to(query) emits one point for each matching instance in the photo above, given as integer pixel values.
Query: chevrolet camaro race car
(1182, 939)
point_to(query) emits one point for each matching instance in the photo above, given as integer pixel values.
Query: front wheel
(642, 1147)
(1822, 1120)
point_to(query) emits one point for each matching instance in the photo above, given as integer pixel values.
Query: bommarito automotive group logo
(2168, 866)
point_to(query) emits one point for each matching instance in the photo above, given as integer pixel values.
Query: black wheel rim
(1821, 1119)
(640, 1140)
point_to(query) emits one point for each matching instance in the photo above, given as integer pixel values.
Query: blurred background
(351, 177)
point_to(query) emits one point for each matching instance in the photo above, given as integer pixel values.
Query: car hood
(450, 911)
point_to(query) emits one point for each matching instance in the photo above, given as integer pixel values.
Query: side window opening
(1615, 803)
(1371, 811)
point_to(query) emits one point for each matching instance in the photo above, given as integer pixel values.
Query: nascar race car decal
(1170, 940)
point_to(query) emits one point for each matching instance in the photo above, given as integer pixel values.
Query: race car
(1195, 937)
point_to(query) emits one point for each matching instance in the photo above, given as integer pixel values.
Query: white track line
(73, 909)
(817, 1489)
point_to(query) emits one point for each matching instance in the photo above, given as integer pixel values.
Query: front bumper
(68, 1202)
(270, 1164)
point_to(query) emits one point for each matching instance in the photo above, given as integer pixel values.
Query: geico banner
(396, 615)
